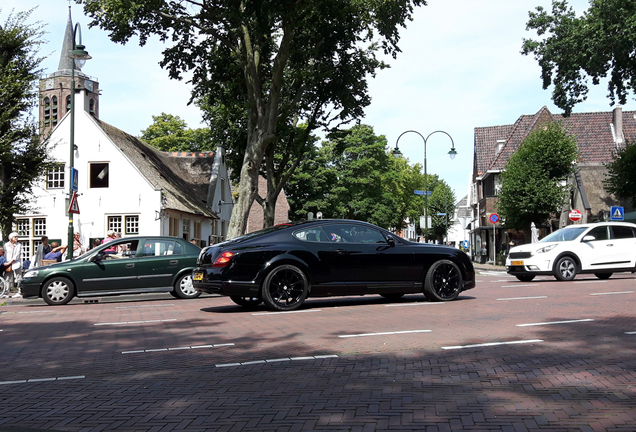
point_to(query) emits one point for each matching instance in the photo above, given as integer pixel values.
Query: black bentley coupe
(283, 265)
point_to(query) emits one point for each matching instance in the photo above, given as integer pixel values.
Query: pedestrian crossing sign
(617, 213)
(73, 207)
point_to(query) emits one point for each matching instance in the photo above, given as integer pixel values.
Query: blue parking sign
(617, 213)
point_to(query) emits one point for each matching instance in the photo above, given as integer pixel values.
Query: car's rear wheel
(525, 278)
(565, 269)
(58, 291)
(443, 281)
(392, 296)
(246, 302)
(184, 289)
(603, 275)
(285, 288)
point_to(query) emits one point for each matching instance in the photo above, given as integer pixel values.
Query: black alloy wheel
(443, 281)
(285, 288)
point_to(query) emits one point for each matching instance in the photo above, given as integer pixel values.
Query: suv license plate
(517, 263)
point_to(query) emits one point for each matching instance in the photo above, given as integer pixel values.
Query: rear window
(622, 232)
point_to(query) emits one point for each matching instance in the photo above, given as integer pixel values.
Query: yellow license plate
(198, 276)
(517, 263)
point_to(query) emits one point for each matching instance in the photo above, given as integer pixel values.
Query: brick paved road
(354, 364)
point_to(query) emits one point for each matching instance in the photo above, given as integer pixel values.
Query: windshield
(564, 234)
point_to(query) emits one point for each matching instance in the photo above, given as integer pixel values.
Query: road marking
(523, 298)
(177, 348)
(135, 322)
(634, 332)
(414, 304)
(385, 333)
(42, 380)
(555, 322)
(44, 311)
(492, 344)
(146, 306)
(503, 280)
(277, 360)
(518, 285)
(617, 292)
(288, 312)
(592, 281)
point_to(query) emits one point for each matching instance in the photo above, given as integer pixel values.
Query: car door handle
(132, 265)
(174, 261)
(610, 245)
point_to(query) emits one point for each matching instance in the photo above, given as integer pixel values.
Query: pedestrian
(110, 236)
(194, 242)
(42, 249)
(56, 252)
(78, 249)
(96, 243)
(3, 261)
(13, 269)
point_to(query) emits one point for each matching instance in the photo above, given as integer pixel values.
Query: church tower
(55, 88)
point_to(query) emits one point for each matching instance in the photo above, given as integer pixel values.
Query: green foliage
(573, 49)
(170, 133)
(23, 156)
(530, 188)
(620, 179)
(442, 201)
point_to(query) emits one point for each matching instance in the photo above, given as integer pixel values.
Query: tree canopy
(268, 63)
(171, 133)
(23, 156)
(572, 49)
(620, 178)
(531, 189)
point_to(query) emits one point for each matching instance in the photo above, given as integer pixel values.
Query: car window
(620, 232)
(599, 233)
(121, 250)
(352, 233)
(161, 247)
(313, 234)
(564, 234)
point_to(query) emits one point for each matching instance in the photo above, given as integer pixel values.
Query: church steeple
(55, 88)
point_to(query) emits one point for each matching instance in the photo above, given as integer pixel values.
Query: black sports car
(285, 264)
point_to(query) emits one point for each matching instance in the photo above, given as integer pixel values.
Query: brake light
(223, 259)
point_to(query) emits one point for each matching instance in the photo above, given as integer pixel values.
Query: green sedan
(131, 265)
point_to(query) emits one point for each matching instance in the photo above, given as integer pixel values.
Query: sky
(460, 68)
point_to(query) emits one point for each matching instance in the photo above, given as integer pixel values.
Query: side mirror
(391, 241)
(589, 238)
(97, 257)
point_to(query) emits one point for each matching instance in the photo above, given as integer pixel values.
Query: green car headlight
(31, 274)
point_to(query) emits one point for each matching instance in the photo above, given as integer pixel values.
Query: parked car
(599, 248)
(130, 265)
(283, 265)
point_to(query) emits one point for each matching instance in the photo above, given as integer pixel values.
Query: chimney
(617, 121)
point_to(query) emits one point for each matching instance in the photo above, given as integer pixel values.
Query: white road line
(42, 379)
(634, 332)
(523, 298)
(385, 333)
(135, 322)
(617, 292)
(592, 281)
(177, 349)
(492, 344)
(555, 322)
(277, 360)
(45, 311)
(145, 306)
(503, 280)
(288, 312)
(415, 304)
(518, 285)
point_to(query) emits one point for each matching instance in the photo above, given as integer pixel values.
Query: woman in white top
(13, 252)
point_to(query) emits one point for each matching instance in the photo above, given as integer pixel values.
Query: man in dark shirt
(56, 252)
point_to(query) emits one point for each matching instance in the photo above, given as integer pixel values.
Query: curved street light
(79, 55)
(452, 153)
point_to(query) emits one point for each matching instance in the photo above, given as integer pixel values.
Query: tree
(171, 133)
(620, 178)
(531, 189)
(442, 201)
(278, 60)
(599, 43)
(23, 156)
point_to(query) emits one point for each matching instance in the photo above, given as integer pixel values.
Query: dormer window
(500, 144)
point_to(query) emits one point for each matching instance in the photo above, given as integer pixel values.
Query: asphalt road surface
(506, 356)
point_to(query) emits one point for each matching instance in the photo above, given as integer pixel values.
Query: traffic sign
(73, 207)
(74, 180)
(441, 214)
(617, 213)
(494, 218)
(575, 215)
(419, 192)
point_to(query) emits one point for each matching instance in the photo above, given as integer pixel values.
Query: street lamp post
(452, 153)
(80, 55)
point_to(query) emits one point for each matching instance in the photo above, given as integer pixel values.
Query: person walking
(13, 270)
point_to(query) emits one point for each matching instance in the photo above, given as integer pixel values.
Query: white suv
(600, 248)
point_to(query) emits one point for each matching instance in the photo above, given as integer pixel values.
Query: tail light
(223, 259)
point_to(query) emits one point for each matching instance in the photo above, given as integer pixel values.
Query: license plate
(198, 276)
(515, 263)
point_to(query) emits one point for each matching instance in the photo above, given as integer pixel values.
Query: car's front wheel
(565, 269)
(184, 289)
(603, 275)
(285, 288)
(58, 291)
(443, 281)
(525, 278)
